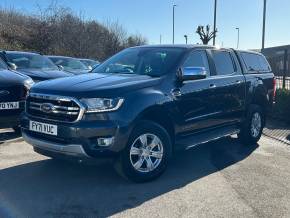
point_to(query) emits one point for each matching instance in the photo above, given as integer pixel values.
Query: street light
(185, 36)
(214, 22)
(173, 23)
(264, 24)
(238, 42)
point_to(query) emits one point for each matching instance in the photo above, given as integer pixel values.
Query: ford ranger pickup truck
(13, 89)
(144, 102)
(36, 66)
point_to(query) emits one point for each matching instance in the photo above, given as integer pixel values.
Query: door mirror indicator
(193, 73)
(60, 67)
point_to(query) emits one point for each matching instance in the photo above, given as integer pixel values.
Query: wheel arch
(161, 116)
(260, 98)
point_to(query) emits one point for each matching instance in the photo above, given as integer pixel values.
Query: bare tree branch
(207, 35)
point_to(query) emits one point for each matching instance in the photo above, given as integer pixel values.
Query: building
(279, 59)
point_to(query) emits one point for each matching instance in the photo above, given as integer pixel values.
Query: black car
(34, 65)
(91, 64)
(69, 64)
(13, 89)
(144, 102)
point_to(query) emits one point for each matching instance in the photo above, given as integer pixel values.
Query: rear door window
(223, 62)
(255, 62)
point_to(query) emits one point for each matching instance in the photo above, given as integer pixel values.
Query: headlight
(28, 83)
(102, 104)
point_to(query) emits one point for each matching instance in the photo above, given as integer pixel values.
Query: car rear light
(274, 89)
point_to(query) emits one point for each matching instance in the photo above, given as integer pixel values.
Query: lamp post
(238, 41)
(185, 36)
(264, 24)
(173, 22)
(214, 22)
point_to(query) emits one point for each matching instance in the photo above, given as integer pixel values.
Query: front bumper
(9, 121)
(74, 150)
(11, 118)
(78, 139)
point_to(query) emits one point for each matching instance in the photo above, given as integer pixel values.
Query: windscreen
(69, 63)
(142, 61)
(31, 61)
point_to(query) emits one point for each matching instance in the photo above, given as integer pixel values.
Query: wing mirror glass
(12, 66)
(193, 73)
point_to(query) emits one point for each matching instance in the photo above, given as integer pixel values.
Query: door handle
(176, 92)
(212, 86)
(239, 81)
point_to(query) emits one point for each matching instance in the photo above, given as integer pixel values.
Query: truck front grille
(50, 107)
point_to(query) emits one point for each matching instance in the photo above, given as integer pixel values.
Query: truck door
(195, 100)
(228, 86)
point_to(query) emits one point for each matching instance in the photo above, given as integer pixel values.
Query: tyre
(252, 128)
(147, 153)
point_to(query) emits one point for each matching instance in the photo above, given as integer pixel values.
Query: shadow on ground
(51, 188)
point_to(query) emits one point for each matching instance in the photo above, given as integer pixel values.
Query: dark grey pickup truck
(144, 102)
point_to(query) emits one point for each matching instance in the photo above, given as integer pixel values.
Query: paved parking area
(220, 179)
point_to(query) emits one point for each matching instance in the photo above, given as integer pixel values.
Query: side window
(197, 59)
(265, 67)
(255, 62)
(223, 62)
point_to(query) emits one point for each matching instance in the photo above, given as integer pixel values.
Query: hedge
(281, 109)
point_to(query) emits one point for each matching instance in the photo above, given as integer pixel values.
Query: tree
(59, 31)
(205, 35)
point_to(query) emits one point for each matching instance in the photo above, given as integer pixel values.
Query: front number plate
(9, 105)
(43, 128)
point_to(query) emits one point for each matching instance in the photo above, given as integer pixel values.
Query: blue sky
(154, 17)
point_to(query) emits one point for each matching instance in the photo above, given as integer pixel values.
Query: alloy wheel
(146, 153)
(256, 125)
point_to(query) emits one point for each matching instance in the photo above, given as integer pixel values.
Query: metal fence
(282, 82)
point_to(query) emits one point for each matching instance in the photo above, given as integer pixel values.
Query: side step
(205, 137)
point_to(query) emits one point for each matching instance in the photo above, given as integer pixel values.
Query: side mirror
(193, 73)
(94, 67)
(12, 66)
(60, 67)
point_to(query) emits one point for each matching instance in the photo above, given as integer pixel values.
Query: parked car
(91, 64)
(13, 89)
(144, 102)
(34, 65)
(69, 64)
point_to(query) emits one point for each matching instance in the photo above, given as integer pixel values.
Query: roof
(188, 46)
(22, 52)
(249, 51)
(59, 56)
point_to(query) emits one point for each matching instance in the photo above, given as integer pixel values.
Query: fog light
(105, 142)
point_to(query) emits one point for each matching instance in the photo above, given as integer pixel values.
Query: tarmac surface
(219, 179)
